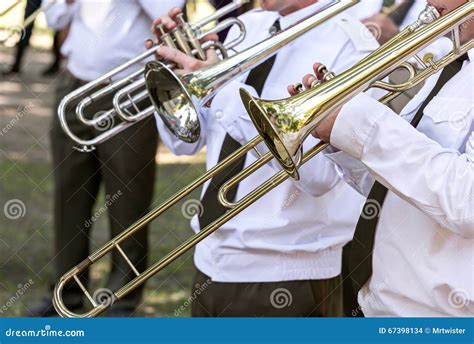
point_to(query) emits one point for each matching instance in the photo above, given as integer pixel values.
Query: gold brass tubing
(234, 181)
(70, 275)
(9, 8)
(244, 203)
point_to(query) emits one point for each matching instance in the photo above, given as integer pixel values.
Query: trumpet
(130, 90)
(284, 124)
(230, 67)
(177, 98)
(28, 21)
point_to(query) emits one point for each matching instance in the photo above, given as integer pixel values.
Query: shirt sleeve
(60, 14)
(318, 176)
(351, 170)
(230, 113)
(155, 9)
(438, 181)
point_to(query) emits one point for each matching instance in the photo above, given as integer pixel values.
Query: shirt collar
(470, 54)
(292, 18)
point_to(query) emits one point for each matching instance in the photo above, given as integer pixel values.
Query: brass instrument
(232, 67)
(130, 90)
(284, 124)
(28, 21)
(177, 97)
(9, 8)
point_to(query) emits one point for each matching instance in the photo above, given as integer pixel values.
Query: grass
(26, 243)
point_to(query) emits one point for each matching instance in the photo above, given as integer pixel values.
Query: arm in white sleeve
(174, 144)
(231, 114)
(155, 9)
(60, 14)
(436, 180)
(318, 175)
(352, 171)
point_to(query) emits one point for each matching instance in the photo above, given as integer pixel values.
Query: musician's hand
(324, 129)
(382, 27)
(186, 63)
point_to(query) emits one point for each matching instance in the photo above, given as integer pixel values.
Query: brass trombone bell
(284, 124)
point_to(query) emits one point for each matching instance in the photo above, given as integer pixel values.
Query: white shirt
(414, 12)
(105, 33)
(289, 234)
(424, 245)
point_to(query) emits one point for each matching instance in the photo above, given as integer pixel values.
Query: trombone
(284, 124)
(130, 89)
(220, 74)
(9, 8)
(28, 21)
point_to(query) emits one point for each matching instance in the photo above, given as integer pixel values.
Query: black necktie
(211, 205)
(357, 254)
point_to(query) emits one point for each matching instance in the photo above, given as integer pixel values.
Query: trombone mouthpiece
(427, 16)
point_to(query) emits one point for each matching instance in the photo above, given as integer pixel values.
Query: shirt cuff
(354, 124)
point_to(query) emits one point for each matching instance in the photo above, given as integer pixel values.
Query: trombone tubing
(9, 8)
(244, 203)
(192, 241)
(310, 107)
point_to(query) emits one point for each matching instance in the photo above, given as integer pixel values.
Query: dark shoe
(51, 70)
(45, 308)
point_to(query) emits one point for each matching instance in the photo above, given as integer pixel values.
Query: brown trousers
(125, 166)
(310, 298)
